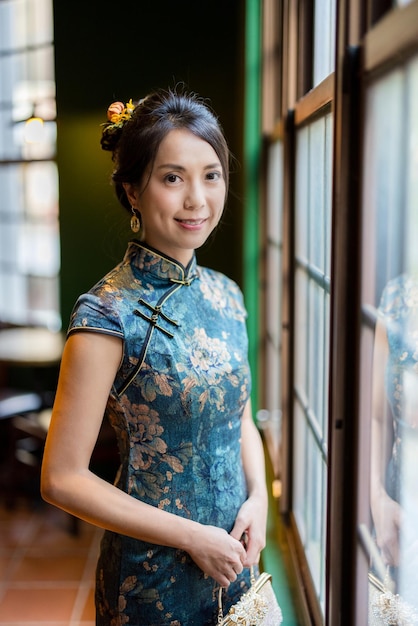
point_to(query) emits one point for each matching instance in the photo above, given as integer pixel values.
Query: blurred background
(62, 64)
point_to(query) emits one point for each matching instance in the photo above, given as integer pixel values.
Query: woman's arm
(385, 511)
(252, 517)
(89, 365)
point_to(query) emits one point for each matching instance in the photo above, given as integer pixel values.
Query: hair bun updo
(110, 138)
(117, 114)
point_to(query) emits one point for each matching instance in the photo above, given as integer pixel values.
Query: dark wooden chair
(13, 403)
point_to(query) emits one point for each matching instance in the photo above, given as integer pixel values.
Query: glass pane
(38, 145)
(301, 324)
(327, 194)
(326, 332)
(315, 483)
(299, 482)
(19, 23)
(43, 302)
(272, 384)
(275, 192)
(411, 164)
(9, 233)
(38, 251)
(389, 360)
(41, 190)
(309, 499)
(29, 234)
(302, 197)
(39, 14)
(6, 77)
(13, 297)
(324, 39)
(41, 69)
(6, 30)
(316, 192)
(316, 349)
(313, 244)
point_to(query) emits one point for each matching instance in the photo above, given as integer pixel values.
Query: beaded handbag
(257, 607)
(388, 608)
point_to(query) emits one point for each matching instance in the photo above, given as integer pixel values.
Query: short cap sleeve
(95, 314)
(394, 300)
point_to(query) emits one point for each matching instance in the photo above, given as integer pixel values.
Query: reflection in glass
(390, 290)
(394, 459)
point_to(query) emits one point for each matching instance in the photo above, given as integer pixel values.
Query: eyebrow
(174, 166)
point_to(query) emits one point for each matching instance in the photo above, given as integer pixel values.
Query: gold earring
(135, 222)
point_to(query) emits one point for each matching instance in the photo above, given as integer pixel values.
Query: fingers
(235, 565)
(218, 554)
(228, 575)
(254, 544)
(239, 529)
(237, 569)
(389, 549)
(231, 574)
(251, 524)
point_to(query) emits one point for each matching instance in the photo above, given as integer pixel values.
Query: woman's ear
(131, 192)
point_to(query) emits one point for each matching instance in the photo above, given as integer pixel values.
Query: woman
(394, 436)
(159, 347)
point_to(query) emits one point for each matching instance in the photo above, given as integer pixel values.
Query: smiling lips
(191, 223)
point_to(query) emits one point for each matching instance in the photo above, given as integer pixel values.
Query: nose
(195, 196)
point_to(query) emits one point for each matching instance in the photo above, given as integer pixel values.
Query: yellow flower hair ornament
(118, 113)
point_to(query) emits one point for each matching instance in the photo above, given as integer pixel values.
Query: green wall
(109, 51)
(251, 164)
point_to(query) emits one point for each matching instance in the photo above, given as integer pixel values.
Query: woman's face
(184, 197)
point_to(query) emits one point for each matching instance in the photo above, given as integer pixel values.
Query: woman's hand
(217, 553)
(387, 517)
(251, 523)
(251, 520)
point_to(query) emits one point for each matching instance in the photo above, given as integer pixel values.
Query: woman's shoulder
(223, 293)
(119, 278)
(216, 277)
(102, 307)
(400, 296)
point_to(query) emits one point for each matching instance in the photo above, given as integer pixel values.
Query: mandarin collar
(161, 266)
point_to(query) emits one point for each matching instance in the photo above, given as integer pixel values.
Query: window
(324, 39)
(29, 233)
(270, 417)
(312, 305)
(298, 245)
(389, 380)
(348, 346)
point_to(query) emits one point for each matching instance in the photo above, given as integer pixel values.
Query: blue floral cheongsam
(176, 406)
(399, 311)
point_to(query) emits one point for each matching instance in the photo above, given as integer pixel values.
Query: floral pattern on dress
(399, 311)
(208, 364)
(177, 420)
(224, 302)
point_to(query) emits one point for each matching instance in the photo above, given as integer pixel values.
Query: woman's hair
(138, 129)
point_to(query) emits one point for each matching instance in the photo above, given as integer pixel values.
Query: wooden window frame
(299, 105)
(371, 38)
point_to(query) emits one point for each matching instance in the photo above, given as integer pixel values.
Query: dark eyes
(172, 178)
(214, 175)
(175, 178)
